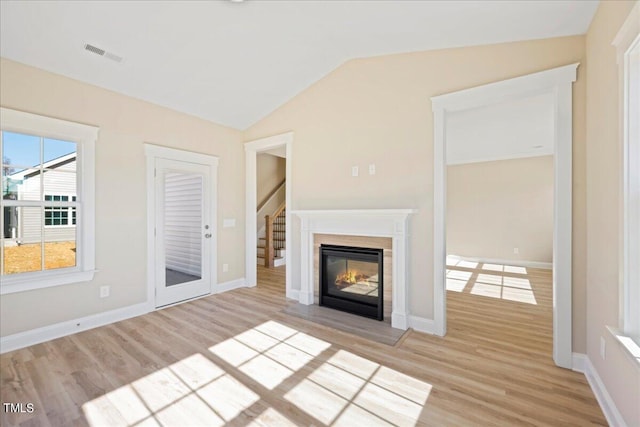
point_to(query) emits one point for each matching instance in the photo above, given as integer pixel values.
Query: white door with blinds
(183, 231)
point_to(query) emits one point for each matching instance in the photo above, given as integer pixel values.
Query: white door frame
(153, 152)
(558, 83)
(252, 148)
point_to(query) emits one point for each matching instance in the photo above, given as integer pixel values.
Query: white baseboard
(229, 286)
(305, 298)
(293, 294)
(579, 362)
(421, 324)
(46, 333)
(518, 263)
(608, 406)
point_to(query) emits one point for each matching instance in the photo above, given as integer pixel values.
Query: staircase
(275, 236)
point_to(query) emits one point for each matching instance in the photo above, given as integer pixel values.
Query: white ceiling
(509, 130)
(233, 63)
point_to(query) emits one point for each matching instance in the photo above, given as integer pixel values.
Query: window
(627, 43)
(59, 215)
(47, 220)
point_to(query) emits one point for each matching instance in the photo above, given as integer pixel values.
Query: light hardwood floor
(235, 359)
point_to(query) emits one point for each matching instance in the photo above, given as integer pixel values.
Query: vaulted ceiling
(234, 62)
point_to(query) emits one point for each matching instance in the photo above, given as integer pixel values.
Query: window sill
(629, 346)
(29, 282)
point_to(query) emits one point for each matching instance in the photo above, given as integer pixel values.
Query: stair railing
(269, 249)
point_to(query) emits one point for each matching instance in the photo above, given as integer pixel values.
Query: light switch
(354, 170)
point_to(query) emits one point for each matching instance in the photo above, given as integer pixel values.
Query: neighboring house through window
(47, 220)
(59, 215)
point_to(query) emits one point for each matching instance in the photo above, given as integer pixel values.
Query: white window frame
(628, 331)
(85, 137)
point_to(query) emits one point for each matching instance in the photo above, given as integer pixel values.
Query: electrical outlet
(603, 348)
(104, 291)
(372, 169)
(516, 251)
(354, 170)
(225, 268)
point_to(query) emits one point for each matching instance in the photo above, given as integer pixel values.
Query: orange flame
(350, 277)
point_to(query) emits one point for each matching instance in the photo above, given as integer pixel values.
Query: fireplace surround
(352, 280)
(388, 223)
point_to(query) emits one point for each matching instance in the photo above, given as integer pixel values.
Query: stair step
(277, 262)
(279, 252)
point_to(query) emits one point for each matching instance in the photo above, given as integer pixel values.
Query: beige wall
(378, 110)
(493, 207)
(121, 216)
(270, 172)
(604, 163)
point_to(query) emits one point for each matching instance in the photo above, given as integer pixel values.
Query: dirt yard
(20, 259)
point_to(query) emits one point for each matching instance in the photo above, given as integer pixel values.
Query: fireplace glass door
(351, 279)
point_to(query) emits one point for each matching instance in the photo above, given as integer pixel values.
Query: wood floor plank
(239, 359)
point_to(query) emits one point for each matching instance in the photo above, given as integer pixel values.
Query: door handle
(207, 236)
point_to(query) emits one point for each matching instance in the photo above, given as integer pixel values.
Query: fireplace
(351, 280)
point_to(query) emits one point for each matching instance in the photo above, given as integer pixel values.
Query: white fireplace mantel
(391, 223)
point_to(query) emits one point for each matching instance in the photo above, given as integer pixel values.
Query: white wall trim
(626, 42)
(229, 286)
(421, 324)
(252, 148)
(499, 158)
(169, 153)
(50, 332)
(517, 263)
(153, 153)
(293, 294)
(579, 362)
(391, 223)
(505, 90)
(557, 82)
(608, 406)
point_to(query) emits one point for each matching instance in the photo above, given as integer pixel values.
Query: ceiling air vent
(102, 52)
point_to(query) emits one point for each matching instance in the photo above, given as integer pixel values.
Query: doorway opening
(181, 226)
(267, 218)
(500, 247)
(556, 86)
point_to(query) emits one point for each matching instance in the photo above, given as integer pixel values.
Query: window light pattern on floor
(507, 282)
(242, 374)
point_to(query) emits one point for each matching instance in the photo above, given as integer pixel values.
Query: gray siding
(60, 181)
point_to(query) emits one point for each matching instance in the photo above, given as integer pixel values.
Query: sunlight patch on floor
(495, 281)
(341, 389)
(270, 418)
(515, 269)
(455, 261)
(457, 280)
(193, 389)
(349, 390)
(456, 285)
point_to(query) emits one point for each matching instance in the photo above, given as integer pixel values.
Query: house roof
(235, 62)
(51, 164)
